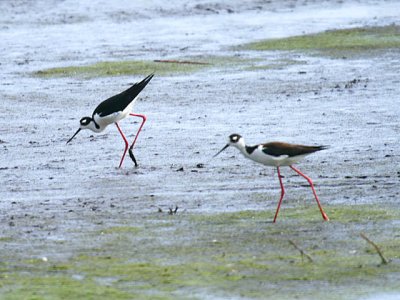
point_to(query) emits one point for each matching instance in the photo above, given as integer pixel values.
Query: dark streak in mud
(72, 223)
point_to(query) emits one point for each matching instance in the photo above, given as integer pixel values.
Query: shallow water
(190, 115)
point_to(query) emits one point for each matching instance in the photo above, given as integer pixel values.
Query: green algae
(57, 287)
(136, 67)
(225, 255)
(309, 213)
(343, 214)
(365, 213)
(120, 229)
(5, 239)
(335, 42)
(119, 68)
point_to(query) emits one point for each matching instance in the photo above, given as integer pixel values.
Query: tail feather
(312, 149)
(135, 89)
(322, 147)
(122, 100)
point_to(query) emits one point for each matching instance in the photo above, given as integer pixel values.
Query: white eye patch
(234, 138)
(85, 121)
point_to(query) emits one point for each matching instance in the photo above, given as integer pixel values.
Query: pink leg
(134, 141)
(140, 127)
(282, 194)
(313, 190)
(137, 134)
(126, 144)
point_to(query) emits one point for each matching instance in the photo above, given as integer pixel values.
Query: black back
(122, 100)
(279, 148)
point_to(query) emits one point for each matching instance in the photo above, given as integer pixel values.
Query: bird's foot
(325, 216)
(132, 156)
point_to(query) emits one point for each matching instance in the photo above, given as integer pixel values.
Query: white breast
(269, 160)
(112, 118)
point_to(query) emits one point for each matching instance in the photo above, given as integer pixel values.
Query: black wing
(122, 100)
(279, 148)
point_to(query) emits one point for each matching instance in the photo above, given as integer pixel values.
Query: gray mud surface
(57, 200)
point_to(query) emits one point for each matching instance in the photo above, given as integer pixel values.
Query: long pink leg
(140, 127)
(126, 144)
(282, 194)
(313, 190)
(134, 141)
(137, 134)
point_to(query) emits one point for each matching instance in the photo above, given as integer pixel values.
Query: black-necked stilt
(113, 110)
(277, 154)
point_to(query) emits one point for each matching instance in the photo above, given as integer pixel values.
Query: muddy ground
(73, 225)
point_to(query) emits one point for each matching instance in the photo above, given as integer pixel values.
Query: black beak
(74, 135)
(226, 146)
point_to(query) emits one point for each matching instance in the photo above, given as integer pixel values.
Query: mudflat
(184, 225)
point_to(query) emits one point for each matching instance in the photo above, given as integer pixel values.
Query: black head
(84, 124)
(85, 121)
(233, 139)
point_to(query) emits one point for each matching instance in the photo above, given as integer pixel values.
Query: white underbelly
(275, 161)
(103, 122)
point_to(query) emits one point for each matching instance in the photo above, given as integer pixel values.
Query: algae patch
(119, 68)
(57, 287)
(332, 42)
(220, 255)
(120, 229)
(134, 67)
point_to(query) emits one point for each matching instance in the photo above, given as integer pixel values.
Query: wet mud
(183, 224)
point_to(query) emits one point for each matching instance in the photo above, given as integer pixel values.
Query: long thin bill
(226, 146)
(74, 135)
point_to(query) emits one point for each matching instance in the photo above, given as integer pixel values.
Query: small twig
(378, 250)
(302, 252)
(173, 211)
(172, 61)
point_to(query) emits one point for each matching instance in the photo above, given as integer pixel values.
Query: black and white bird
(277, 154)
(113, 110)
